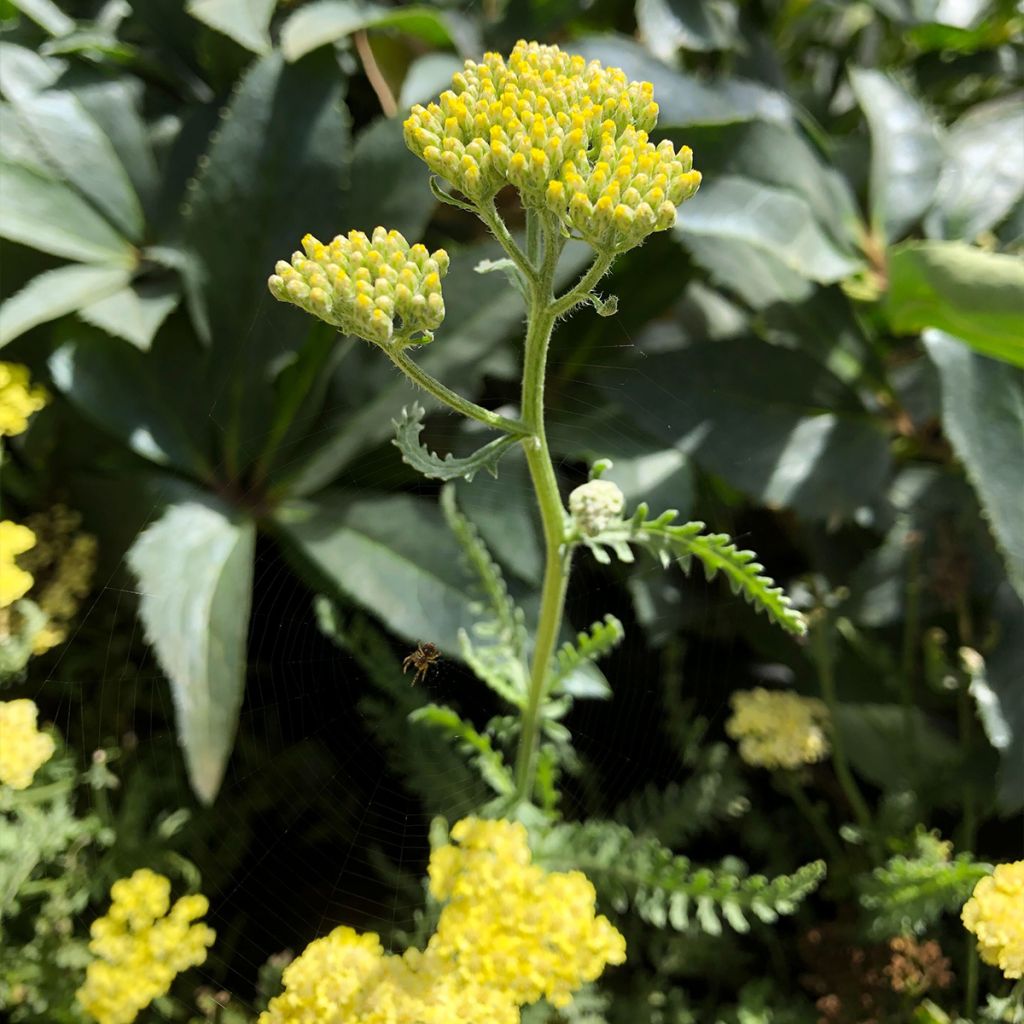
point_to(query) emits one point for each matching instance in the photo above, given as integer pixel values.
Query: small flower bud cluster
(595, 505)
(23, 748)
(778, 729)
(19, 399)
(15, 582)
(363, 285)
(566, 133)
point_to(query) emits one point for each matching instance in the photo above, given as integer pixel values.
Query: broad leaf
(327, 21)
(816, 449)
(245, 21)
(983, 172)
(906, 154)
(134, 313)
(960, 289)
(74, 144)
(393, 556)
(194, 568)
(117, 388)
(56, 292)
(43, 213)
(983, 416)
(670, 25)
(47, 15)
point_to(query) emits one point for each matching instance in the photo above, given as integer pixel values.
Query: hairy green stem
(584, 286)
(826, 678)
(444, 394)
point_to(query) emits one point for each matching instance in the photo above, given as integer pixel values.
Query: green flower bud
(595, 505)
(363, 285)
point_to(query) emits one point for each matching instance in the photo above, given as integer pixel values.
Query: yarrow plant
(776, 729)
(995, 914)
(23, 748)
(572, 139)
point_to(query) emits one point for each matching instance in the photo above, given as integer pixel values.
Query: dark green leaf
(1005, 669)
(194, 568)
(134, 313)
(983, 416)
(976, 295)
(670, 25)
(245, 21)
(906, 154)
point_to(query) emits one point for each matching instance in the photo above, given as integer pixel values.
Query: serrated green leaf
(135, 312)
(590, 646)
(44, 213)
(245, 21)
(56, 292)
(408, 428)
(77, 149)
(194, 568)
(983, 416)
(327, 21)
(975, 295)
(906, 153)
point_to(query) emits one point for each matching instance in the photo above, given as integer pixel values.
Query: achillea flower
(62, 563)
(23, 748)
(596, 504)
(995, 914)
(777, 729)
(141, 945)
(363, 285)
(15, 582)
(571, 136)
(509, 934)
(18, 400)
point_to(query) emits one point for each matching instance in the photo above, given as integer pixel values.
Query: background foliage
(825, 358)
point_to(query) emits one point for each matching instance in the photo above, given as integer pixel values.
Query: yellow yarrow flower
(140, 945)
(777, 729)
(571, 136)
(23, 748)
(509, 934)
(995, 914)
(363, 285)
(15, 582)
(18, 400)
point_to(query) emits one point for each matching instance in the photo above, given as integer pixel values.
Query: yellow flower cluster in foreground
(62, 563)
(140, 945)
(361, 285)
(995, 914)
(23, 748)
(778, 729)
(568, 134)
(15, 582)
(18, 399)
(509, 934)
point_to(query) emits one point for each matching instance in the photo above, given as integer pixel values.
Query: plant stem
(826, 678)
(552, 513)
(444, 394)
(813, 815)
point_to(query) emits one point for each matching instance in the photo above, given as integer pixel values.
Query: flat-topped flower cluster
(570, 135)
(509, 934)
(778, 729)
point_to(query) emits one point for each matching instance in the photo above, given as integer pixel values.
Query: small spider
(425, 655)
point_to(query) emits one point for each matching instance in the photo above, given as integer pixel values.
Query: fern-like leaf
(715, 551)
(590, 645)
(477, 745)
(907, 894)
(408, 428)
(638, 873)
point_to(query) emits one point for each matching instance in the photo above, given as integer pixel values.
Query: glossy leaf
(245, 21)
(134, 313)
(56, 292)
(670, 25)
(962, 290)
(41, 212)
(983, 416)
(194, 569)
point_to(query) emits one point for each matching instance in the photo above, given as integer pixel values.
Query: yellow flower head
(571, 136)
(778, 729)
(995, 914)
(15, 582)
(511, 926)
(140, 945)
(23, 748)
(509, 934)
(18, 400)
(363, 285)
